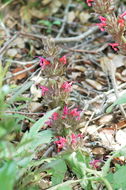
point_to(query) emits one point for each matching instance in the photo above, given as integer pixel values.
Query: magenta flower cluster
(56, 92)
(45, 63)
(67, 113)
(65, 87)
(62, 141)
(110, 23)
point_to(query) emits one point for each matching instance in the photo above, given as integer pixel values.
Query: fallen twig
(21, 62)
(20, 72)
(4, 48)
(48, 151)
(23, 113)
(89, 51)
(105, 94)
(63, 40)
(64, 19)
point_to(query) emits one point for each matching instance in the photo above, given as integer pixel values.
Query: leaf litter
(92, 88)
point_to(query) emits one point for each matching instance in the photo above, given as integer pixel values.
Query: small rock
(12, 52)
(35, 107)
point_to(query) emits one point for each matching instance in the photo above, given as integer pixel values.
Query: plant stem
(96, 173)
(108, 185)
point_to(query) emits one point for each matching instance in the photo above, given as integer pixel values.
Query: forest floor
(28, 30)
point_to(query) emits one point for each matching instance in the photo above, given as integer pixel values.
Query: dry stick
(113, 79)
(21, 62)
(88, 51)
(44, 27)
(95, 130)
(4, 48)
(77, 38)
(64, 40)
(48, 151)
(87, 124)
(20, 72)
(64, 19)
(106, 93)
(23, 113)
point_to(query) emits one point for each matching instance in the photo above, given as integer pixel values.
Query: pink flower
(102, 24)
(43, 62)
(122, 15)
(67, 86)
(49, 122)
(75, 138)
(121, 20)
(44, 89)
(114, 45)
(89, 2)
(55, 116)
(102, 19)
(63, 60)
(75, 113)
(60, 143)
(80, 135)
(65, 110)
(95, 163)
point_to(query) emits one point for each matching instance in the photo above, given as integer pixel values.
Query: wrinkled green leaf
(58, 169)
(33, 139)
(77, 162)
(20, 91)
(118, 179)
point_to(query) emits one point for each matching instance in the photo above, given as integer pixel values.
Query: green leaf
(77, 162)
(27, 151)
(7, 124)
(57, 22)
(7, 176)
(40, 161)
(64, 187)
(20, 91)
(42, 138)
(45, 22)
(40, 123)
(106, 167)
(21, 98)
(22, 117)
(6, 1)
(33, 139)
(119, 101)
(6, 149)
(58, 169)
(118, 179)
